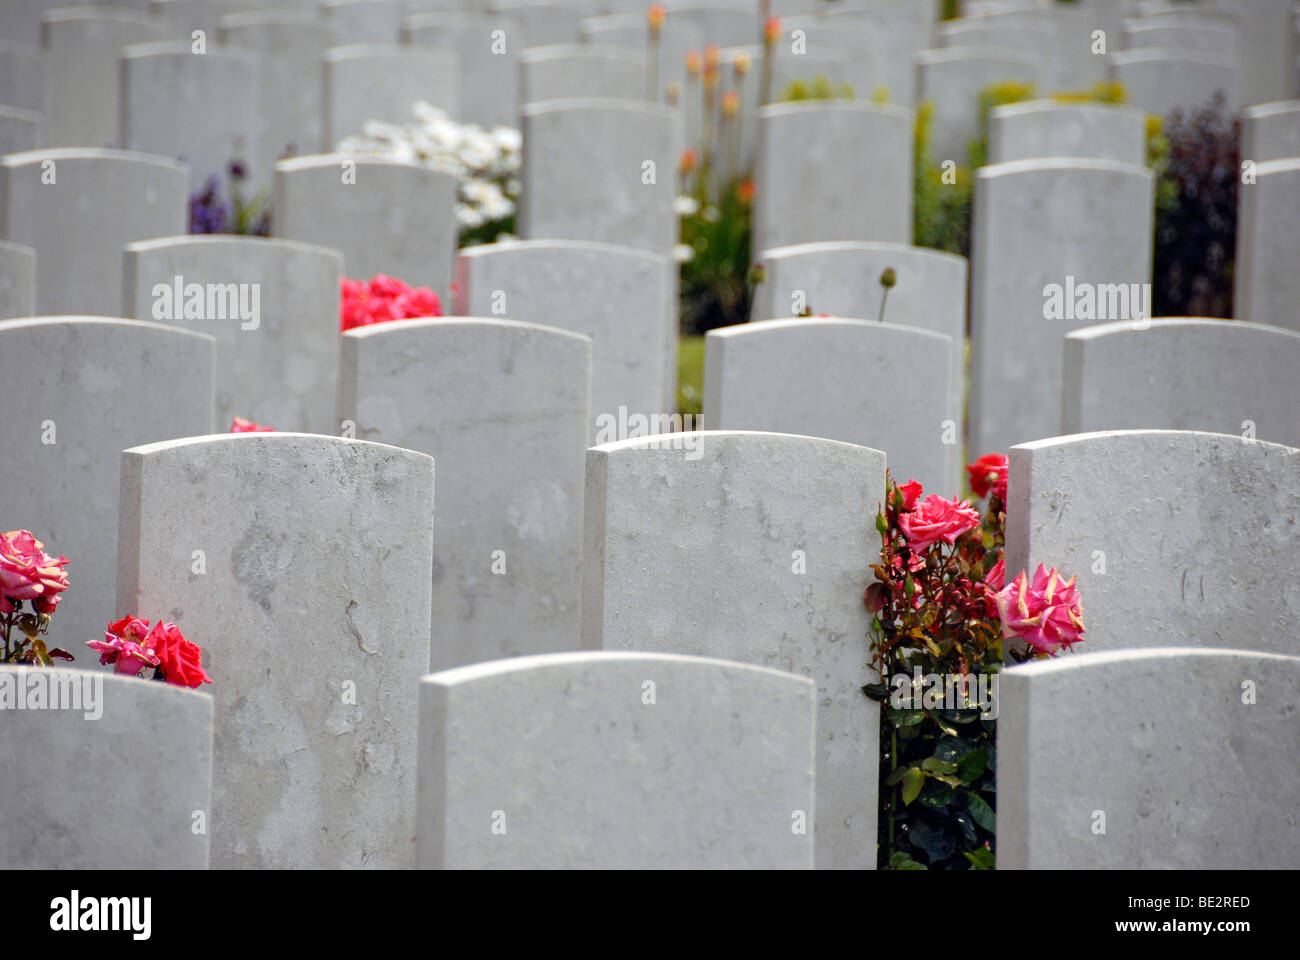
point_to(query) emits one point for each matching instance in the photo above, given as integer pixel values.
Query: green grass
(690, 375)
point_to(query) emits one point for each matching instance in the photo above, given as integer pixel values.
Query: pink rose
(240, 425)
(126, 646)
(419, 302)
(27, 572)
(380, 309)
(1047, 613)
(910, 491)
(387, 287)
(994, 581)
(181, 660)
(987, 473)
(935, 519)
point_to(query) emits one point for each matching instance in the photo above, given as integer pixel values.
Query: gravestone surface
(600, 170)
(952, 78)
(724, 23)
(21, 19)
(20, 130)
(21, 77)
(617, 296)
(665, 761)
(382, 81)
(81, 47)
(313, 610)
(1205, 36)
(546, 22)
(79, 270)
(128, 745)
(382, 215)
(1169, 374)
(833, 171)
(1271, 131)
(676, 38)
(289, 46)
(1161, 81)
(274, 311)
(1155, 526)
(1074, 227)
(93, 387)
(868, 66)
(581, 70)
(1267, 287)
(202, 109)
(180, 18)
(362, 21)
(1045, 128)
(843, 280)
(1209, 792)
(502, 406)
(489, 84)
(839, 379)
(748, 546)
(17, 280)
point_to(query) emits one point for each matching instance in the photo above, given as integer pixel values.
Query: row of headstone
(1266, 289)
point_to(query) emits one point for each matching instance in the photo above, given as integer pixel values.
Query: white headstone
(273, 307)
(618, 296)
(749, 547)
(503, 408)
(201, 109)
(842, 380)
(1170, 374)
(1271, 131)
(289, 46)
(81, 47)
(117, 744)
(1046, 128)
(1161, 81)
(17, 280)
(724, 23)
(77, 208)
(1149, 760)
(1268, 235)
(383, 81)
(384, 216)
(1057, 244)
(867, 67)
(488, 49)
(20, 20)
(616, 761)
(313, 611)
(181, 18)
(843, 280)
(1211, 35)
(1154, 523)
(20, 75)
(952, 79)
(838, 170)
(581, 70)
(362, 21)
(600, 170)
(546, 22)
(20, 130)
(94, 386)
(676, 38)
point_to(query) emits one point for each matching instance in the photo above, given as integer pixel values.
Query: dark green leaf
(913, 780)
(982, 813)
(971, 766)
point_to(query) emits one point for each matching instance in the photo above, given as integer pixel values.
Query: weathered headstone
(385, 217)
(581, 70)
(676, 38)
(1169, 374)
(1032, 40)
(382, 81)
(77, 208)
(866, 67)
(546, 22)
(952, 79)
(1161, 81)
(724, 23)
(1154, 524)
(273, 307)
(1057, 244)
(301, 565)
(289, 46)
(113, 744)
(843, 280)
(1271, 131)
(21, 77)
(182, 18)
(839, 379)
(749, 547)
(93, 387)
(1211, 35)
(81, 46)
(1046, 128)
(600, 170)
(618, 296)
(202, 109)
(1149, 760)
(17, 280)
(616, 761)
(503, 408)
(488, 49)
(833, 171)
(362, 21)
(20, 130)
(1267, 285)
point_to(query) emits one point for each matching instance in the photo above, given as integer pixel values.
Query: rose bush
(29, 575)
